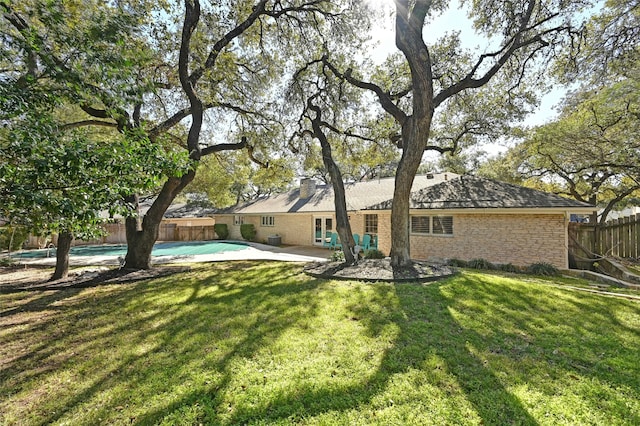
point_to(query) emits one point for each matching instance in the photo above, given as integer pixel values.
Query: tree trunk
(65, 238)
(415, 128)
(140, 241)
(415, 136)
(342, 217)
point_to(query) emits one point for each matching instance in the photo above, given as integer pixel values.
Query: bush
(373, 254)
(509, 267)
(221, 230)
(481, 264)
(543, 268)
(459, 263)
(19, 235)
(337, 256)
(248, 231)
(7, 261)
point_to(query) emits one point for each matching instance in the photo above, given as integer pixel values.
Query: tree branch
(224, 147)
(383, 97)
(83, 123)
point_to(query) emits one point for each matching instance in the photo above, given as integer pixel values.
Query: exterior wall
(293, 228)
(227, 219)
(384, 227)
(520, 239)
(298, 228)
(384, 232)
(356, 219)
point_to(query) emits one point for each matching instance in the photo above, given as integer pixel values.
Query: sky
(455, 19)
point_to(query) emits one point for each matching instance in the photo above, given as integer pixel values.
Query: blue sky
(455, 19)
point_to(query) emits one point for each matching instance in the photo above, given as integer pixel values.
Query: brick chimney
(307, 188)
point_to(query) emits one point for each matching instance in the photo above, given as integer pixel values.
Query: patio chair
(356, 238)
(334, 244)
(326, 241)
(366, 242)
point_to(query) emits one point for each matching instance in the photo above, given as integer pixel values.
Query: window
(420, 224)
(371, 224)
(434, 225)
(443, 225)
(238, 220)
(267, 221)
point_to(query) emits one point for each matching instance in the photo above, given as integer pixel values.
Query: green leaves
(55, 181)
(593, 148)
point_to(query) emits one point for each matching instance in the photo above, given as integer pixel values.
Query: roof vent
(307, 188)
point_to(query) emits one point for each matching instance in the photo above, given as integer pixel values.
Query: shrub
(509, 267)
(7, 261)
(481, 264)
(543, 268)
(248, 231)
(337, 256)
(457, 263)
(17, 235)
(221, 230)
(373, 254)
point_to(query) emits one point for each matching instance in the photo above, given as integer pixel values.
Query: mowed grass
(262, 343)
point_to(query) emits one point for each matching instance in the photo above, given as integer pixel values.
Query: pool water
(174, 248)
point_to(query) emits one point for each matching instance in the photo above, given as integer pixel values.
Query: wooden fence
(617, 238)
(116, 234)
(168, 232)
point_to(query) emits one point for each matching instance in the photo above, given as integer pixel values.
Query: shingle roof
(470, 192)
(358, 195)
(442, 191)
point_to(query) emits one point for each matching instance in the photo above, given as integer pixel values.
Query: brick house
(451, 216)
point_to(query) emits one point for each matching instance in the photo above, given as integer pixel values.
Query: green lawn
(262, 343)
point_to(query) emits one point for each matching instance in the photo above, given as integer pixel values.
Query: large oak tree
(167, 72)
(524, 35)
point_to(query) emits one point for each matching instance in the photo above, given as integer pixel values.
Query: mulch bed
(378, 270)
(84, 278)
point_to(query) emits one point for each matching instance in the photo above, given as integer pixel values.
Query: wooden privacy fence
(116, 234)
(617, 238)
(168, 232)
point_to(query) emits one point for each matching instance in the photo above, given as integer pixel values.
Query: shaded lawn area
(262, 343)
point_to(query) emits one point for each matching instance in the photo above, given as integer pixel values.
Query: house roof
(471, 192)
(359, 196)
(189, 210)
(439, 191)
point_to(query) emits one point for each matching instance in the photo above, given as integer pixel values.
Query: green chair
(366, 242)
(326, 241)
(333, 243)
(356, 238)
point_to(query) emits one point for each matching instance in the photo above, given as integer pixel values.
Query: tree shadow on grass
(137, 336)
(521, 343)
(584, 341)
(426, 330)
(182, 342)
(43, 301)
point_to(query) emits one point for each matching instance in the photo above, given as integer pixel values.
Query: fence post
(636, 244)
(626, 237)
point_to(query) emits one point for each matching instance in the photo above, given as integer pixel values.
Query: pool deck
(255, 251)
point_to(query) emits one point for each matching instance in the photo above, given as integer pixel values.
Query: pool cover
(175, 248)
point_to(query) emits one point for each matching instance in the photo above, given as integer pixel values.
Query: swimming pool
(173, 248)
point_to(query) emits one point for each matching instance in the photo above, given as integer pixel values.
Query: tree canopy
(211, 77)
(440, 72)
(593, 148)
